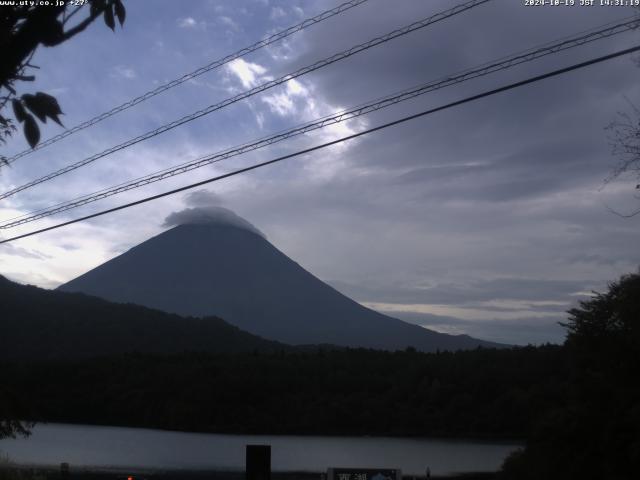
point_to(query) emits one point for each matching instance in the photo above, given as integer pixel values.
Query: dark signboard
(364, 474)
(258, 462)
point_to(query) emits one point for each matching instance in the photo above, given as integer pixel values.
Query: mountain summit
(216, 263)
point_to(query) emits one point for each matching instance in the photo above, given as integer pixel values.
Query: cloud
(210, 215)
(293, 99)
(498, 293)
(519, 331)
(492, 207)
(123, 72)
(8, 249)
(203, 198)
(229, 22)
(277, 12)
(248, 73)
(280, 103)
(31, 278)
(464, 312)
(187, 22)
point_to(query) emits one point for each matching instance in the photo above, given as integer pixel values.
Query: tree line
(577, 405)
(481, 393)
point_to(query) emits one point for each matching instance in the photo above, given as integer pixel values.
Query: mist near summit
(210, 215)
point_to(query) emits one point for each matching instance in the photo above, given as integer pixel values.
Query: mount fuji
(214, 263)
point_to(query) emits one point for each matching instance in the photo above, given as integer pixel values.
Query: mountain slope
(234, 273)
(45, 324)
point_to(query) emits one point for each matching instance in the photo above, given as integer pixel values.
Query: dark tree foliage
(64, 352)
(480, 393)
(12, 428)
(23, 28)
(43, 324)
(608, 325)
(578, 404)
(596, 435)
(624, 137)
(13, 408)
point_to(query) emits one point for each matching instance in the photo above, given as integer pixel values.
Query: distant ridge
(213, 266)
(37, 324)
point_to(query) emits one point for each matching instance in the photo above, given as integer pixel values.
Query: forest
(576, 405)
(484, 393)
(46, 324)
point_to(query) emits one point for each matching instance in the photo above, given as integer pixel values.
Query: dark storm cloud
(529, 173)
(555, 110)
(482, 34)
(591, 258)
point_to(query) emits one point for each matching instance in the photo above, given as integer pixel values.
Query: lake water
(117, 447)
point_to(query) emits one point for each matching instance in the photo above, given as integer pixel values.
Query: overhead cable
(190, 76)
(260, 88)
(333, 142)
(385, 102)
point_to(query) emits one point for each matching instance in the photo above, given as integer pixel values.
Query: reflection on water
(82, 445)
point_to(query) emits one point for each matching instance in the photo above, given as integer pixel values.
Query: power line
(385, 102)
(196, 73)
(260, 88)
(334, 142)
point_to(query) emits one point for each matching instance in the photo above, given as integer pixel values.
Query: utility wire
(334, 142)
(363, 109)
(260, 88)
(189, 76)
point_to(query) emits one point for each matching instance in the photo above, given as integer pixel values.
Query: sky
(491, 218)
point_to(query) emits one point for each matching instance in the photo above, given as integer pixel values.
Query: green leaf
(18, 110)
(121, 13)
(109, 19)
(31, 130)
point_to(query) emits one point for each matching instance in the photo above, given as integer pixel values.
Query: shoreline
(482, 463)
(490, 439)
(50, 472)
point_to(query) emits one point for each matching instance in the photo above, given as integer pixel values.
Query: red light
(130, 478)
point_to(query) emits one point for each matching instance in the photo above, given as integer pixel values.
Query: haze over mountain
(213, 262)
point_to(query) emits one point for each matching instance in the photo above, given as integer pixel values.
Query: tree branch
(622, 215)
(80, 27)
(68, 17)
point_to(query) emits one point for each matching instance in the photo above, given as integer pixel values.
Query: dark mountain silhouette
(228, 269)
(43, 324)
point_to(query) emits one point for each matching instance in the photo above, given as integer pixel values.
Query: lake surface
(116, 447)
